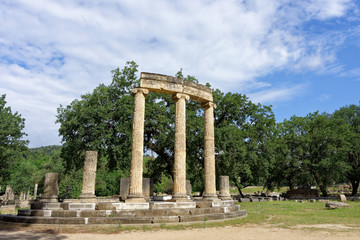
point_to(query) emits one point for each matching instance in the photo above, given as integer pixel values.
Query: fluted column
(137, 151)
(179, 170)
(89, 176)
(209, 151)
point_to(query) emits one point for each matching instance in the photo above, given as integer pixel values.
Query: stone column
(51, 188)
(179, 191)
(89, 176)
(224, 188)
(137, 150)
(35, 191)
(209, 152)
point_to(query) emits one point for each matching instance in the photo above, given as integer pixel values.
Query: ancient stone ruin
(136, 206)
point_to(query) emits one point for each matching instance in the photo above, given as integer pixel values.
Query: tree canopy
(11, 138)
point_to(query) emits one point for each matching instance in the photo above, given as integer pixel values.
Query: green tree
(243, 133)
(351, 154)
(11, 139)
(311, 145)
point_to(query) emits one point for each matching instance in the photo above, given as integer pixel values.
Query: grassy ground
(290, 213)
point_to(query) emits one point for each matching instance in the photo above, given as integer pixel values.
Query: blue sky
(298, 56)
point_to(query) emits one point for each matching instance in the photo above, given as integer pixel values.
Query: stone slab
(162, 205)
(228, 202)
(51, 206)
(78, 206)
(109, 206)
(185, 205)
(134, 206)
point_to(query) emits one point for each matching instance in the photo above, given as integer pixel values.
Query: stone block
(64, 213)
(51, 206)
(7, 209)
(193, 218)
(203, 204)
(254, 200)
(342, 198)
(122, 213)
(165, 219)
(228, 203)
(51, 188)
(78, 206)
(336, 205)
(109, 206)
(188, 188)
(92, 213)
(162, 205)
(185, 205)
(134, 206)
(124, 188)
(147, 188)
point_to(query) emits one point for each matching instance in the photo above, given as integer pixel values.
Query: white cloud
(277, 94)
(53, 51)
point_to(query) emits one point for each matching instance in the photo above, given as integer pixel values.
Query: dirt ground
(228, 233)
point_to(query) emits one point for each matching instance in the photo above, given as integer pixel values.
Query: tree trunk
(240, 192)
(355, 186)
(320, 184)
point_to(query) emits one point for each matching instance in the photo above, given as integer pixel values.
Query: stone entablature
(172, 85)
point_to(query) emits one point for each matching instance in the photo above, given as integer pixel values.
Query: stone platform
(124, 213)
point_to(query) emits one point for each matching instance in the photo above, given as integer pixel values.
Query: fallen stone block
(336, 205)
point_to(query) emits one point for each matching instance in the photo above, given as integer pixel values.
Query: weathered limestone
(51, 188)
(188, 188)
(209, 151)
(35, 191)
(89, 176)
(147, 184)
(224, 188)
(136, 170)
(172, 85)
(179, 191)
(342, 198)
(9, 194)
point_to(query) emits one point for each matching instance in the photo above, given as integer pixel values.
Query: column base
(210, 196)
(87, 195)
(225, 197)
(49, 199)
(179, 198)
(135, 199)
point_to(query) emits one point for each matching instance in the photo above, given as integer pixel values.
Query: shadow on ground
(44, 235)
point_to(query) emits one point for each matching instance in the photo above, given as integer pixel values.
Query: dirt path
(228, 233)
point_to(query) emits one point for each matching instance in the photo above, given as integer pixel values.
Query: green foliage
(72, 179)
(243, 135)
(309, 151)
(107, 183)
(11, 139)
(101, 121)
(350, 115)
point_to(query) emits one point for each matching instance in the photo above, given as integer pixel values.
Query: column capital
(208, 105)
(180, 95)
(145, 91)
